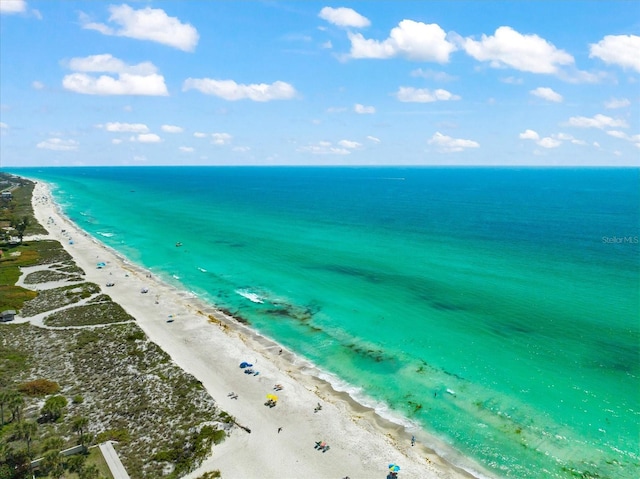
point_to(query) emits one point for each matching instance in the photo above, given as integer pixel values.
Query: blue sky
(317, 83)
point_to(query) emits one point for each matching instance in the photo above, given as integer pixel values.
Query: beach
(210, 345)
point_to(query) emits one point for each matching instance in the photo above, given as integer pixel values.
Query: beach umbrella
(394, 467)
(273, 397)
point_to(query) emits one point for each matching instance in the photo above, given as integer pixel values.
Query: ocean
(496, 309)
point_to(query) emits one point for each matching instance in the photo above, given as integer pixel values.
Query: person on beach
(279, 429)
(413, 440)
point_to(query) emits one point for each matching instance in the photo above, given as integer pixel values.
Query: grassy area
(31, 254)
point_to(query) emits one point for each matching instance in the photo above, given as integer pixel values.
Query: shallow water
(496, 308)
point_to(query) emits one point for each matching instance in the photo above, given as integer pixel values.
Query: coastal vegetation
(88, 375)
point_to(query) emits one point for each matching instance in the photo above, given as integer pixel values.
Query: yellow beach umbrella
(273, 397)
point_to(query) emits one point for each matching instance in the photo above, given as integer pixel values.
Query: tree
(20, 225)
(26, 430)
(53, 464)
(15, 404)
(5, 397)
(76, 463)
(79, 425)
(53, 408)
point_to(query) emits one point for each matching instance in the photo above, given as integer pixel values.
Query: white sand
(362, 444)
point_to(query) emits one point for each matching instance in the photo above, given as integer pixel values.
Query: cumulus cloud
(597, 121)
(509, 48)
(125, 84)
(117, 127)
(352, 145)
(186, 149)
(58, 144)
(412, 40)
(232, 91)
(324, 148)
(529, 135)
(199, 134)
(172, 129)
(146, 138)
(107, 63)
(36, 85)
(148, 23)
(221, 138)
(116, 141)
(547, 94)
(446, 144)
(621, 50)
(364, 110)
(12, 6)
(421, 95)
(549, 142)
(344, 17)
(617, 103)
(140, 79)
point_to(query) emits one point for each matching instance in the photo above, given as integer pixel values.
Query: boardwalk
(113, 461)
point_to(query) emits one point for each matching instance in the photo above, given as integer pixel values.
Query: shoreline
(363, 442)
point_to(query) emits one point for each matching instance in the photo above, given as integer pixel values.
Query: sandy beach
(210, 346)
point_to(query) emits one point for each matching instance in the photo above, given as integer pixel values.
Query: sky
(513, 83)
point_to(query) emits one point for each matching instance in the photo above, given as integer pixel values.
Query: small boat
(178, 244)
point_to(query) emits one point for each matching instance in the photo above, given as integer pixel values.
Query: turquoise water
(496, 308)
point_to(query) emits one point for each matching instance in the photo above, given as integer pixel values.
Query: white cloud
(413, 40)
(139, 158)
(549, 142)
(241, 149)
(324, 148)
(13, 6)
(364, 110)
(529, 135)
(374, 139)
(125, 84)
(597, 121)
(140, 79)
(3, 125)
(125, 127)
(37, 85)
(172, 129)
(621, 50)
(421, 95)
(508, 48)
(199, 134)
(547, 94)
(446, 144)
(344, 17)
(635, 139)
(147, 138)
(221, 138)
(109, 64)
(352, 145)
(186, 149)
(146, 24)
(617, 103)
(58, 144)
(116, 141)
(232, 91)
